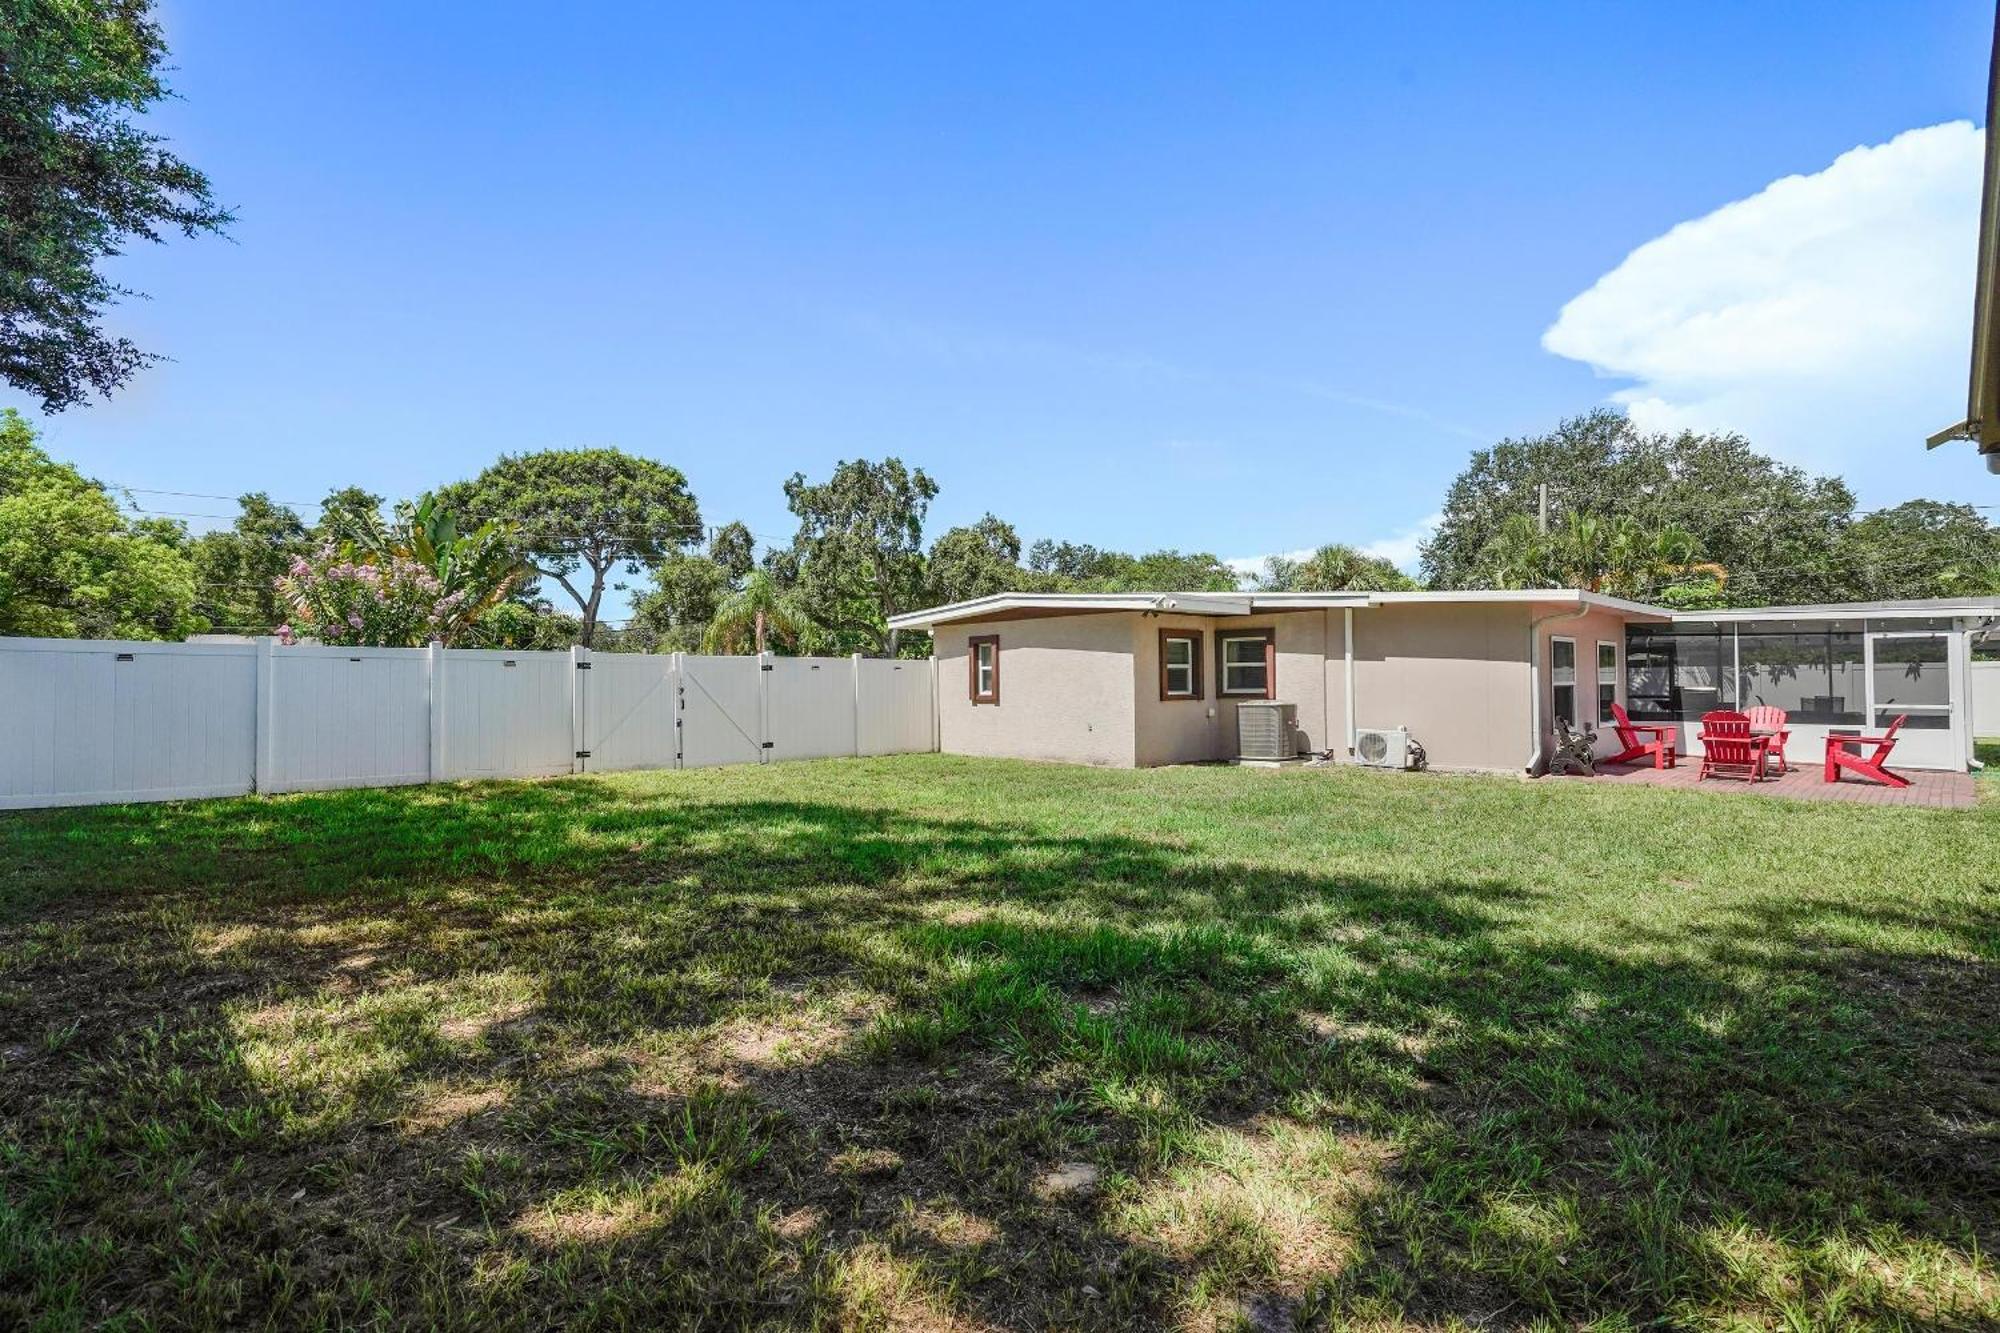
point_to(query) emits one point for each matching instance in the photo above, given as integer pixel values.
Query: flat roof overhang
(1026, 605)
(1019, 606)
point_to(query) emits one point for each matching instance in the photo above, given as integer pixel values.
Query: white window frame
(1557, 686)
(985, 676)
(1604, 717)
(1265, 643)
(1191, 668)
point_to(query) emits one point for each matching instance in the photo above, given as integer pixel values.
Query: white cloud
(1399, 550)
(1248, 567)
(1825, 317)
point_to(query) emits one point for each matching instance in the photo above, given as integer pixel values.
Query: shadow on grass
(569, 1052)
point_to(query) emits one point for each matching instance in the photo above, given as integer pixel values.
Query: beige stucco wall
(1333, 682)
(1301, 674)
(1181, 731)
(1588, 631)
(1455, 675)
(1174, 731)
(1066, 690)
(1085, 689)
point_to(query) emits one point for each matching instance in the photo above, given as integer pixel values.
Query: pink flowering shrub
(368, 601)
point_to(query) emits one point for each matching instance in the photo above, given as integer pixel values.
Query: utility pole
(1542, 507)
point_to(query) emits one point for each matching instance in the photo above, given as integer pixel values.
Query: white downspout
(1347, 646)
(1535, 679)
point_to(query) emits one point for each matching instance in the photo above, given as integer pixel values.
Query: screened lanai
(1851, 668)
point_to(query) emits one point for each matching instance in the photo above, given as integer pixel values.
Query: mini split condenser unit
(1267, 731)
(1382, 747)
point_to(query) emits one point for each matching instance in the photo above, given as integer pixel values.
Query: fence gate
(628, 711)
(722, 710)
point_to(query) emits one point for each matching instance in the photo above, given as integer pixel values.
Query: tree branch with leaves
(858, 557)
(583, 515)
(82, 181)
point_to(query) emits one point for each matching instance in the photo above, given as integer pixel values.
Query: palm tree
(1519, 555)
(1582, 550)
(1334, 568)
(758, 608)
(1619, 556)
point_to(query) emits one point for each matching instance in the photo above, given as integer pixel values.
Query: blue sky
(1215, 279)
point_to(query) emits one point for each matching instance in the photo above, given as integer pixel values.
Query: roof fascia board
(1859, 611)
(1210, 604)
(1502, 596)
(1243, 604)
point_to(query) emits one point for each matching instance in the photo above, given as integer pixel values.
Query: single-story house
(1138, 679)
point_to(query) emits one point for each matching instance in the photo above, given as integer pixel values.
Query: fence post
(436, 667)
(579, 708)
(856, 661)
(937, 707)
(264, 766)
(764, 737)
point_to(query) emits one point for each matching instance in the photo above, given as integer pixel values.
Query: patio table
(1662, 732)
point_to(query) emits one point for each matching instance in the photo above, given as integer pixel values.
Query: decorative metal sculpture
(1574, 751)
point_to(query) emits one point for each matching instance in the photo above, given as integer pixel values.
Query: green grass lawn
(930, 1042)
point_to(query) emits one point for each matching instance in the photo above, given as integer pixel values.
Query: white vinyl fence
(88, 721)
(1984, 693)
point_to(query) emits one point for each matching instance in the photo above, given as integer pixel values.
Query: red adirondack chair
(1770, 719)
(1643, 740)
(1871, 766)
(1728, 749)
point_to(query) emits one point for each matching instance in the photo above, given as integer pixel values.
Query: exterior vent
(1379, 748)
(1266, 731)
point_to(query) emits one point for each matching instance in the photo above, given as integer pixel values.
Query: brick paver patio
(1946, 791)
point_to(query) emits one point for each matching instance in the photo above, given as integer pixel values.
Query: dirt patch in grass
(449, 1106)
(1271, 1208)
(749, 1046)
(512, 1015)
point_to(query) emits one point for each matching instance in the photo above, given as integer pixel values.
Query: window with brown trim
(1180, 664)
(1246, 664)
(982, 668)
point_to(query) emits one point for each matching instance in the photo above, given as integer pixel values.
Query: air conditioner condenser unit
(1267, 731)
(1379, 747)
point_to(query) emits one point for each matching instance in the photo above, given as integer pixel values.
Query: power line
(634, 530)
(206, 495)
(577, 538)
(322, 505)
